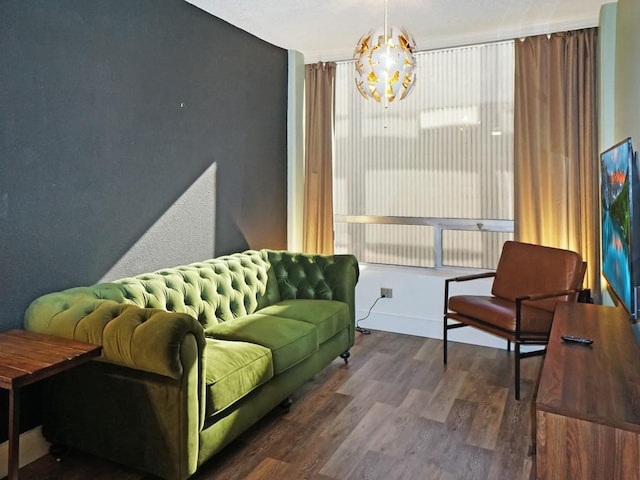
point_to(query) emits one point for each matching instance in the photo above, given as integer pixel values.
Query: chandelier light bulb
(385, 64)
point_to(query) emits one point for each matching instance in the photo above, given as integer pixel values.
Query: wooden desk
(27, 357)
(588, 402)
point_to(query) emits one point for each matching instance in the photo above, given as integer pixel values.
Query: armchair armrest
(466, 278)
(538, 296)
(541, 296)
(463, 278)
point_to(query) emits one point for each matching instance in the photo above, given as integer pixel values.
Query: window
(428, 181)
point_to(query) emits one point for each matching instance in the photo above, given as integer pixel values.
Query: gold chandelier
(385, 65)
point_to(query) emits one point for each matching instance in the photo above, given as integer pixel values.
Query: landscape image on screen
(616, 235)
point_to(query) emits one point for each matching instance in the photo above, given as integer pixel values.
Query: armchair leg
(516, 348)
(444, 341)
(445, 321)
(508, 345)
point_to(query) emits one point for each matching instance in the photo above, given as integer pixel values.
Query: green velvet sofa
(193, 355)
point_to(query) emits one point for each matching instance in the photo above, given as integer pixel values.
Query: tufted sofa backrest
(211, 291)
(309, 276)
(302, 275)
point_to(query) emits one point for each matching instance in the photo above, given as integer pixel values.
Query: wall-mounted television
(619, 193)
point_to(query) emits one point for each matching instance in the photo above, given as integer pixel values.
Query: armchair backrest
(526, 269)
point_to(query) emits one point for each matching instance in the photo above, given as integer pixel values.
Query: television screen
(616, 165)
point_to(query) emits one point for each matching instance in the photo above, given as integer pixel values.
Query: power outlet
(386, 292)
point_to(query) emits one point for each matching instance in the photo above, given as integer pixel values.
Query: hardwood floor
(394, 412)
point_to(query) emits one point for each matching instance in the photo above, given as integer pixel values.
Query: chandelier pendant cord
(386, 25)
(387, 37)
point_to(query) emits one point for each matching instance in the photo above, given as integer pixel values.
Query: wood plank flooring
(394, 412)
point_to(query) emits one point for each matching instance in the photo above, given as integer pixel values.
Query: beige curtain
(556, 158)
(317, 234)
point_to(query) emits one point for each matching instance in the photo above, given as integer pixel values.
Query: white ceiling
(329, 29)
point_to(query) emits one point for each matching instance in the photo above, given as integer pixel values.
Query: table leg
(14, 433)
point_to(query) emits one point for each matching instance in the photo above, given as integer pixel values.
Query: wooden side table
(27, 357)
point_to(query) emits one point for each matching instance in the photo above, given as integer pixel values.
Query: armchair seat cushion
(329, 316)
(233, 369)
(500, 313)
(290, 341)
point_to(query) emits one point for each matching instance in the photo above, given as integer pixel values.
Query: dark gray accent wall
(109, 111)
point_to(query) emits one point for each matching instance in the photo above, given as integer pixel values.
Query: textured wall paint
(109, 113)
(184, 234)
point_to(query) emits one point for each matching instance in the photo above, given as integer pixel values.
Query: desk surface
(26, 357)
(598, 383)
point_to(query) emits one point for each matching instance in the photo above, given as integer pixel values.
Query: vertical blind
(445, 151)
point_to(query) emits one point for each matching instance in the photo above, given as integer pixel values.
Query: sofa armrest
(342, 276)
(141, 338)
(150, 340)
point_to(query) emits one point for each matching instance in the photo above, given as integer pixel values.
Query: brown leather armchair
(528, 282)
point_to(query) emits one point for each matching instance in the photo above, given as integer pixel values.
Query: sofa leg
(345, 356)
(58, 451)
(285, 405)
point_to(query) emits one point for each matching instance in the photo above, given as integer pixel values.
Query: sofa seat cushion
(329, 316)
(233, 369)
(289, 340)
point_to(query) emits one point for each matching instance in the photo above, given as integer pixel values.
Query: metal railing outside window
(438, 242)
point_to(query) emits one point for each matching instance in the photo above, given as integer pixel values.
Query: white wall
(627, 75)
(606, 75)
(417, 305)
(295, 151)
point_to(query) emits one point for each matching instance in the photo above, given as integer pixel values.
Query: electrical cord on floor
(366, 331)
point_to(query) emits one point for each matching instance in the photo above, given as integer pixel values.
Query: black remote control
(580, 340)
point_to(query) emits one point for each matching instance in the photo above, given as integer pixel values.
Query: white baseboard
(32, 447)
